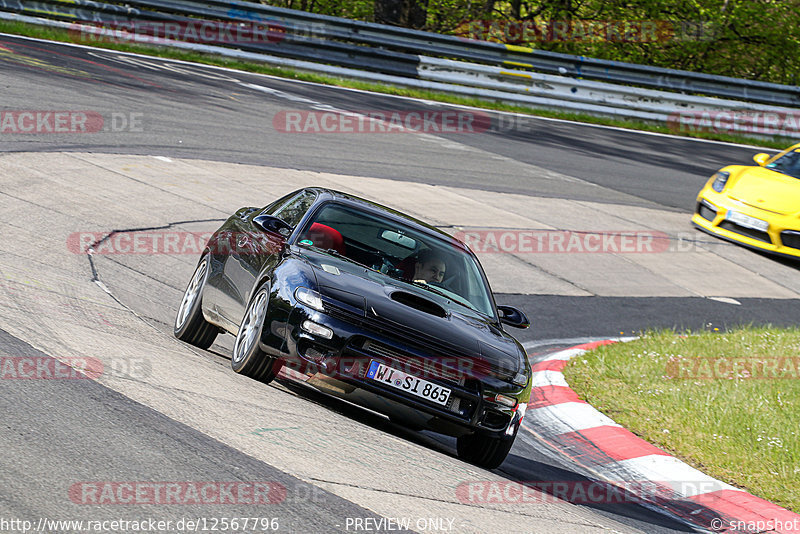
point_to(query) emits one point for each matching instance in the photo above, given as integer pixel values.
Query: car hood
(424, 318)
(766, 189)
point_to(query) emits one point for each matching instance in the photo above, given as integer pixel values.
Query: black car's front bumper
(339, 365)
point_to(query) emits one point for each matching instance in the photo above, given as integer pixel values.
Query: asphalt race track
(183, 146)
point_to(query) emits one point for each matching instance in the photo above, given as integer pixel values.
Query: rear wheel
(248, 359)
(485, 450)
(190, 325)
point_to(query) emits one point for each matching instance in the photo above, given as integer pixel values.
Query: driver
(429, 267)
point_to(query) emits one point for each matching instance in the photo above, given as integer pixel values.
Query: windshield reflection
(400, 252)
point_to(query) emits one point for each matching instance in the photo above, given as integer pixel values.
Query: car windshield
(400, 252)
(789, 164)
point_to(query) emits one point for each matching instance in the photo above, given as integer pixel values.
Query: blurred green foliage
(755, 39)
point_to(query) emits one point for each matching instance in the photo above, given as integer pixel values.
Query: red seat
(325, 237)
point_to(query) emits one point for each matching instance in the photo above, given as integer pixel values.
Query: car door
(256, 250)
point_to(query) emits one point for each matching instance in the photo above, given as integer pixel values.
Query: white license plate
(748, 222)
(408, 383)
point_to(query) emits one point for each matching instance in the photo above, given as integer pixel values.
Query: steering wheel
(388, 267)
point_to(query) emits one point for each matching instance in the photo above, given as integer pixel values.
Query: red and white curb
(617, 456)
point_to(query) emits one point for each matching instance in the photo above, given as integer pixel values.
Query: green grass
(57, 34)
(687, 395)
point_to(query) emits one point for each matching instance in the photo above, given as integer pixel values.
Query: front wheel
(190, 325)
(484, 450)
(248, 359)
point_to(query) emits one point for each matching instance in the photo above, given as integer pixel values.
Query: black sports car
(365, 303)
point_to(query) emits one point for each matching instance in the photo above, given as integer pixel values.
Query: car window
(384, 245)
(293, 210)
(275, 206)
(789, 164)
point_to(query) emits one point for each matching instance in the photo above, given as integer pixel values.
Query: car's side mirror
(513, 317)
(272, 224)
(761, 159)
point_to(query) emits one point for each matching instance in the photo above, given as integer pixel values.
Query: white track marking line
(408, 98)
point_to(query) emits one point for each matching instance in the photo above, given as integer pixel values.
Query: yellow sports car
(756, 206)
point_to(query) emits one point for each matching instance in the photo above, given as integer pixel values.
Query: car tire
(190, 325)
(485, 450)
(248, 359)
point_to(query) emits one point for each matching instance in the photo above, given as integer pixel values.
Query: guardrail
(402, 56)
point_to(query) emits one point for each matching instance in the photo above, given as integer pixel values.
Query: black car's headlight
(309, 297)
(720, 179)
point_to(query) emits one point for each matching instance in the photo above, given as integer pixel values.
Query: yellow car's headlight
(720, 179)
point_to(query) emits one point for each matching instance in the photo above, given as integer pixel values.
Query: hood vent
(418, 303)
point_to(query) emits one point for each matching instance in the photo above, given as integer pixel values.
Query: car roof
(325, 194)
